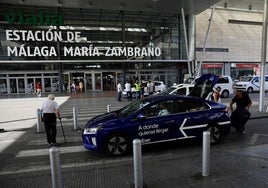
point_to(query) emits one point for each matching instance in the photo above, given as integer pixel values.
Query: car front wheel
(215, 134)
(116, 145)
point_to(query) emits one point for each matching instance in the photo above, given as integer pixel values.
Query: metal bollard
(75, 118)
(38, 120)
(138, 181)
(55, 167)
(108, 108)
(206, 154)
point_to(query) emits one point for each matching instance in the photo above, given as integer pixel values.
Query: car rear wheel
(215, 134)
(225, 94)
(116, 145)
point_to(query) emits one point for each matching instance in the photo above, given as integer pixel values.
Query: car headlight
(93, 130)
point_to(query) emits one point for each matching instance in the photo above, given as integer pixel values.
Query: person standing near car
(241, 114)
(138, 89)
(150, 87)
(119, 91)
(128, 90)
(50, 111)
(216, 95)
(142, 91)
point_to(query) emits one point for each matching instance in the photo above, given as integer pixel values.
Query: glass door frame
(90, 86)
(9, 85)
(97, 84)
(17, 85)
(3, 86)
(66, 81)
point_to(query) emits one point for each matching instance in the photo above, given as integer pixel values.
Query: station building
(98, 43)
(234, 41)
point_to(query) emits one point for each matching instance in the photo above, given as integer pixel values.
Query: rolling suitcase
(239, 118)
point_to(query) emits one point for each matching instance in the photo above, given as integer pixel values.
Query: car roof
(182, 85)
(159, 98)
(169, 97)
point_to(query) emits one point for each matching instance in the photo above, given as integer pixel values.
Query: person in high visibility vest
(138, 89)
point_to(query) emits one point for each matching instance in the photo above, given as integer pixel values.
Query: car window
(223, 80)
(151, 111)
(160, 109)
(181, 106)
(165, 108)
(133, 107)
(256, 79)
(181, 91)
(245, 78)
(169, 90)
(190, 89)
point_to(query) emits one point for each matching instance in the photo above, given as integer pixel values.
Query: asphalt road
(28, 152)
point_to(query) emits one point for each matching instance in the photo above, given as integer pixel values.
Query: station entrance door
(93, 81)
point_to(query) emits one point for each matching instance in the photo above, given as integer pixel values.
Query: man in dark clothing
(241, 114)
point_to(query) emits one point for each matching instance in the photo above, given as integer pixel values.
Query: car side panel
(158, 128)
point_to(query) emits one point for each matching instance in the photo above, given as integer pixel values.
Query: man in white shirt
(128, 91)
(150, 87)
(51, 112)
(119, 91)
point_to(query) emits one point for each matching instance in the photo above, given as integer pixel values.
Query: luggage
(239, 118)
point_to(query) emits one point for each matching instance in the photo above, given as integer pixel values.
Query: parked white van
(180, 89)
(250, 83)
(225, 85)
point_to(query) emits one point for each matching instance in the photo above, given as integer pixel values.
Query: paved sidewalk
(18, 114)
(235, 167)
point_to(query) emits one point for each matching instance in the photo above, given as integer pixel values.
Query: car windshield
(133, 107)
(169, 90)
(245, 78)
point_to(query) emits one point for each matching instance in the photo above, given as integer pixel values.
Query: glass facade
(96, 47)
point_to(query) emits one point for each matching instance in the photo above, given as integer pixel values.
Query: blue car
(157, 119)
